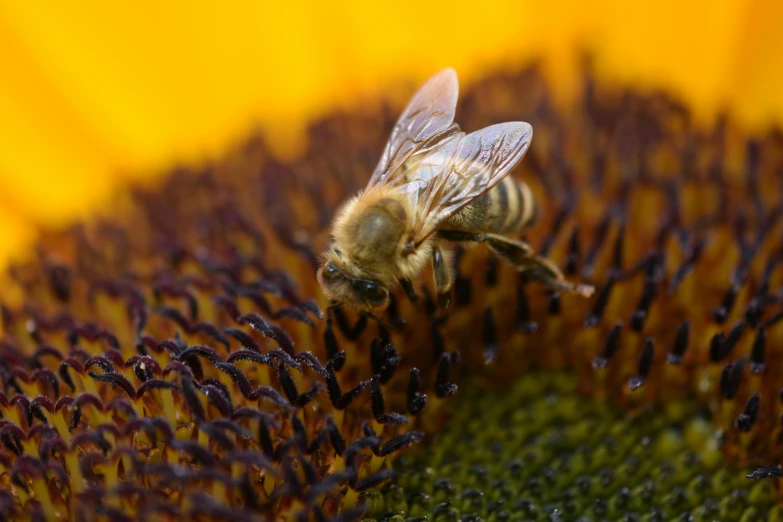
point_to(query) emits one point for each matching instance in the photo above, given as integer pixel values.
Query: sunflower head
(178, 359)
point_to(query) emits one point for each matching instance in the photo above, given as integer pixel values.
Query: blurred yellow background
(94, 93)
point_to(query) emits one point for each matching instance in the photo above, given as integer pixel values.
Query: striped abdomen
(506, 209)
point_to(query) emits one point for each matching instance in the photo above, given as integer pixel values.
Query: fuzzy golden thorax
(368, 253)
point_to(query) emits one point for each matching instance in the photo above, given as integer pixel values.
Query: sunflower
(171, 357)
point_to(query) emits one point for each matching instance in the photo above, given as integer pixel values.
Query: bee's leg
(397, 326)
(517, 252)
(521, 255)
(407, 286)
(546, 272)
(442, 273)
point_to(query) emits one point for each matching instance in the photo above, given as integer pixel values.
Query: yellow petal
(96, 92)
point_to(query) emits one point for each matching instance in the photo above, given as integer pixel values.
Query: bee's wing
(426, 121)
(462, 169)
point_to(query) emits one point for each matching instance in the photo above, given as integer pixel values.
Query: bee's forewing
(467, 171)
(426, 120)
(486, 156)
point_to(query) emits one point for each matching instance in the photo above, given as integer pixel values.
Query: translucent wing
(461, 169)
(425, 122)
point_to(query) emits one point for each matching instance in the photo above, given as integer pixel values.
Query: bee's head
(341, 284)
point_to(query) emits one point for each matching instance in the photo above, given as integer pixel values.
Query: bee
(434, 186)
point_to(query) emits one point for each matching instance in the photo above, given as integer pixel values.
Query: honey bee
(434, 185)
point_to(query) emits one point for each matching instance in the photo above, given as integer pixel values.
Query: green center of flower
(539, 451)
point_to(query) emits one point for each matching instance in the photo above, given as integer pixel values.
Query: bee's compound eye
(371, 291)
(331, 271)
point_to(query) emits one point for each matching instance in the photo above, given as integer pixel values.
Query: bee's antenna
(397, 327)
